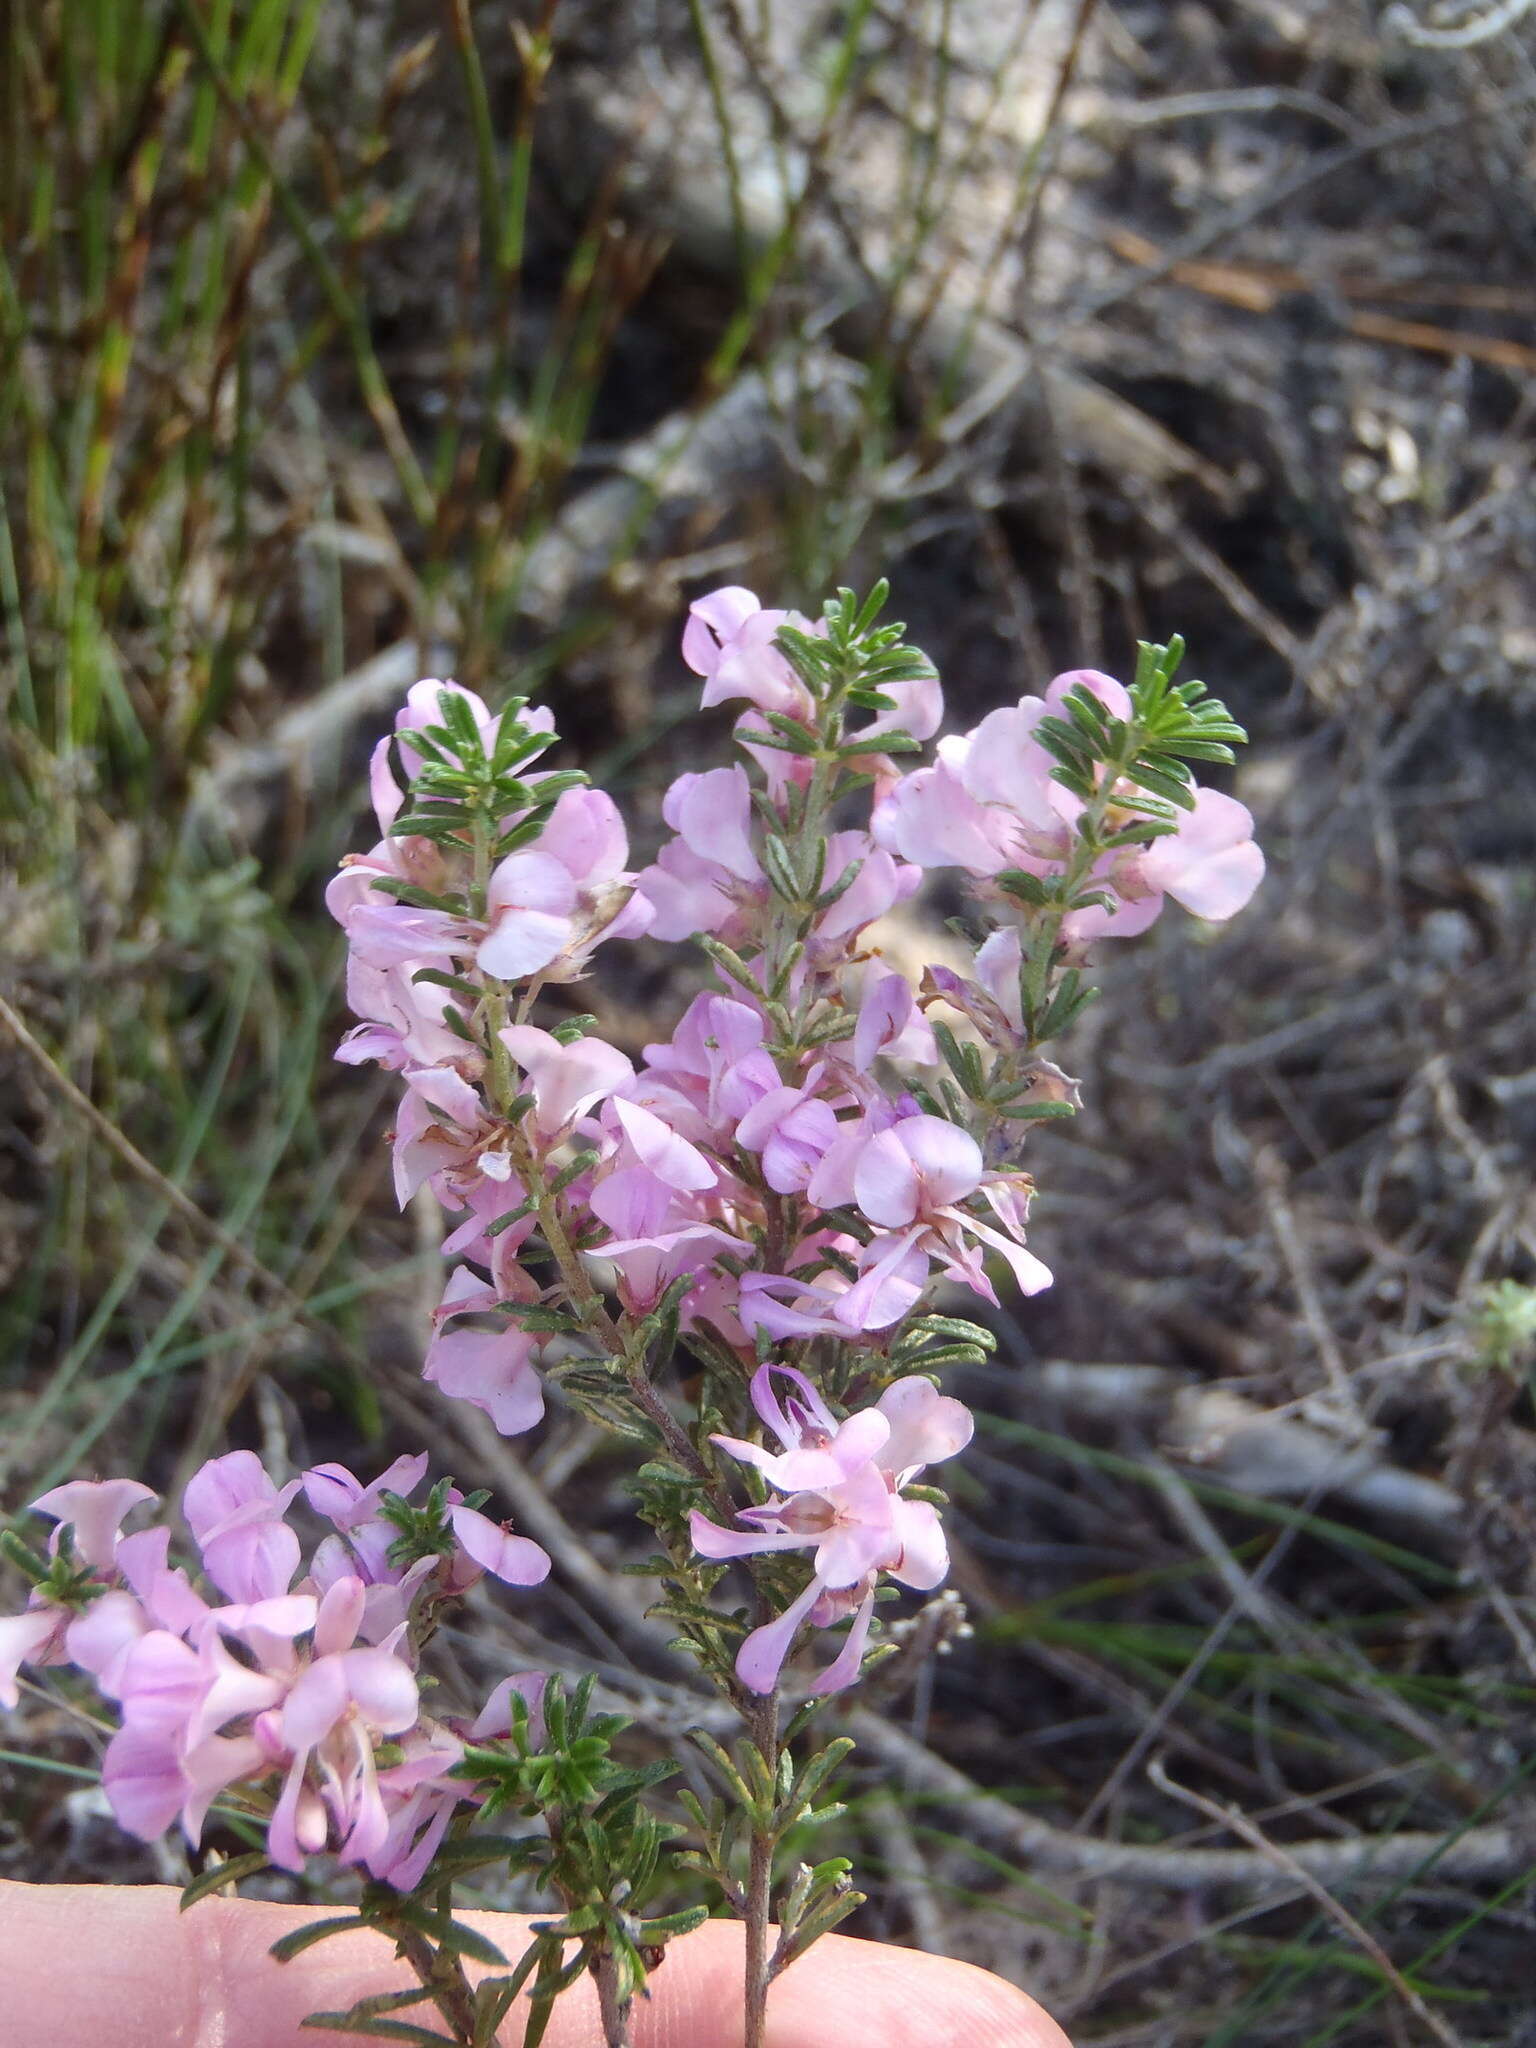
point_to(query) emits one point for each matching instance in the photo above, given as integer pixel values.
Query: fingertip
(856, 1994)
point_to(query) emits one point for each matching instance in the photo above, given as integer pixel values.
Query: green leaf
(793, 736)
(373, 2029)
(670, 1925)
(818, 1770)
(218, 1875)
(1066, 1006)
(1034, 1112)
(963, 1061)
(1201, 750)
(473, 1852)
(1026, 887)
(1064, 743)
(780, 868)
(452, 1935)
(1165, 781)
(294, 1944)
(955, 1327)
(955, 1354)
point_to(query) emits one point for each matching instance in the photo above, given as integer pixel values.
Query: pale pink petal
(925, 1426)
(513, 1559)
(918, 709)
(999, 962)
(566, 1079)
(718, 1544)
(141, 1777)
(231, 1691)
(845, 1666)
(712, 814)
(209, 1769)
(751, 666)
(1211, 864)
(22, 1636)
(832, 1185)
(523, 942)
(252, 1560)
(948, 1160)
(225, 1486)
(884, 1010)
(495, 1717)
(893, 1272)
(802, 1404)
(860, 1440)
(714, 618)
(162, 1682)
(381, 1687)
(1112, 695)
(686, 893)
(1006, 765)
(94, 1509)
(493, 1371)
(872, 892)
(930, 818)
(924, 1561)
(761, 1657)
(886, 1184)
(1031, 1274)
(101, 1635)
(297, 1828)
(317, 1701)
(339, 1615)
(585, 833)
(658, 1148)
(795, 1471)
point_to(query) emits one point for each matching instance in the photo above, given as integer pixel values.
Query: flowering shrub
(777, 1190)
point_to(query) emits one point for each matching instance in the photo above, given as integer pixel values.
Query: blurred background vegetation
(342, 344)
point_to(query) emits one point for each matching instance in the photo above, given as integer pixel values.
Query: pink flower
(792, 1128)
(838, 1491)
(405, 1020)
(566, 1079)
(986, 804)
(1211, 864)
(729, 641)
(909, 1180)
(443, 1127)
(347, 1504)
(715, 1065)
(236, 1514)
(336, 1711)
(878, 886)
(990, 802)
(652, 1196)
(709, 875)
(917, 708)
(93, 1511)
(549, 905)
(31, 1638)
(890, 1280)
(493, 1547)
(491, 1369)
(890, 1025)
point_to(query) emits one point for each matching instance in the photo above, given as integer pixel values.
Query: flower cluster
(293, 1694)
(818, 1145)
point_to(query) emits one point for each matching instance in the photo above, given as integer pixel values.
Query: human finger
(122, 1963)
